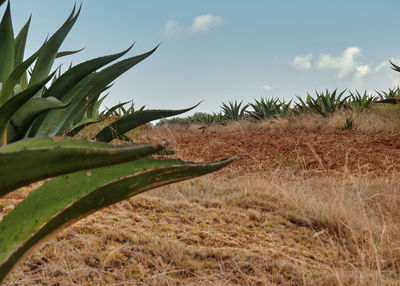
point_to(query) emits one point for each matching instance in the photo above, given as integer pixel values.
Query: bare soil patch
(334, 151)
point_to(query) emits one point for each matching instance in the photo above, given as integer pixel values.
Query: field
(306, 203)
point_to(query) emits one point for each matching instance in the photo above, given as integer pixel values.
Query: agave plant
(348, 124)
(81, 176)
(267, 108)
(393, 96)
(87, 176)
(324, 103)
(205, 118)
(234, 110)
(358, 102)
(29, 108)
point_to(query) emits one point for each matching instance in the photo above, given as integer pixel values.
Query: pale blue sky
(228, 49)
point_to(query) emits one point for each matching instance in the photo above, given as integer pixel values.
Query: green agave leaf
(394, 66)
(133, 120)
(115, 107)
(66, 199)
(8, 109)
(81, 110)
(7, 45)
(50, 142)
(80, 125)
(94, 106)
(15, 77)
(57, 156)
(54, 120)
(25, 116)
(57, 122)
(391, 100)
(50, 48)
(68, 53)
(20, 42)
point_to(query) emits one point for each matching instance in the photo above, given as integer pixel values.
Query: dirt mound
(265, 150)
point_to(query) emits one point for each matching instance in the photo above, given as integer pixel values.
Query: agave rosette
(71, 101)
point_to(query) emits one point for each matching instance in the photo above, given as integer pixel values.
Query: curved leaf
(20, 42)
(79, 126)
(394, 66)
(25, 116)
(8, 109)
(131, 121)
(74, 75)
(66, 199)
(94, 106)
(57, 122)
(49, 51)
(7, 45)
(15, 77)
(391, 100)
(56, 158)
(68, 53)
(111, 110)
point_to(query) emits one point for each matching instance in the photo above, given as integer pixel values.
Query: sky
(217, 51)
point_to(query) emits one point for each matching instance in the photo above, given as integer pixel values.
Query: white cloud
(266, 87)
(362, 71)
(204, 23)
(381, 66)
(350, 70)
(345, 63)
(173, 28)
(201, 24)
(302, 62)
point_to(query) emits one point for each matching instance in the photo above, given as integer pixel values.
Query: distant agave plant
(324, 103)
(393, 96)
(29, 108)
(206, 118)
(234, 110)
(267, 108)
(358, 102)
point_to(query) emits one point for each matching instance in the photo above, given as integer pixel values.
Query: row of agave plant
(38, 109)
(323, 103)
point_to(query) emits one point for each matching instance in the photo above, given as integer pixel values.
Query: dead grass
(257, 229)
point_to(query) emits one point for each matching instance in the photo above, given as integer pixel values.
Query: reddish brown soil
(263, 150)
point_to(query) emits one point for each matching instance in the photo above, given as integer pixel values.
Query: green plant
(234, 110)
(70, 102)
(392, 96)
(358, 102)
(119, 110)
(205, 118)
(82, 176)
(348, 124)
(197, 118)
(323, 104)
(86, 176)
(267, 108)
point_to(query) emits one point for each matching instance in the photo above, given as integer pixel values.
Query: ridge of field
(263, 150)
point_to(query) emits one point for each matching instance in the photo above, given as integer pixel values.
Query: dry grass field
(307, 203)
